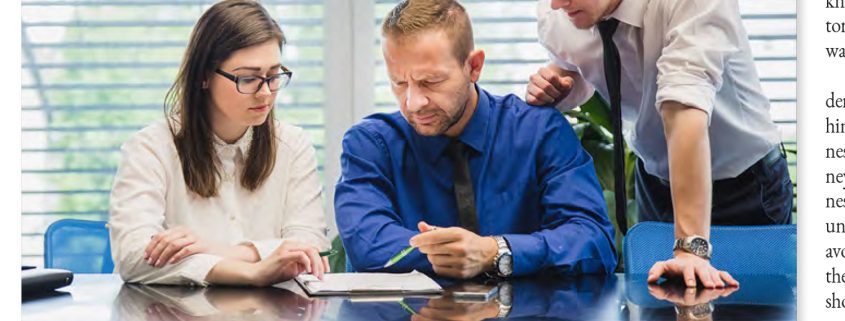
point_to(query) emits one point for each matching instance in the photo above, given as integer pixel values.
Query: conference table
(615, 297)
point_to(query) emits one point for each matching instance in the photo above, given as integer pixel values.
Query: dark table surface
(106, 297)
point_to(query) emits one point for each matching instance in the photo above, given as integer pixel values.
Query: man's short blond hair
(411, 17)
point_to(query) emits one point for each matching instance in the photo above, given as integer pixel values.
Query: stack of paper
(369, 284)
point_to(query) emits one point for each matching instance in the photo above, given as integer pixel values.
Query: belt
(774, 155)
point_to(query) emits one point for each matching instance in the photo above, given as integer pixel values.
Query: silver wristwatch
(505, 299)
(503, 263)
(695, 312)
(696, 245)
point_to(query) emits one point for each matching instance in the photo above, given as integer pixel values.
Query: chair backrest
(78, 246)
(746, 250)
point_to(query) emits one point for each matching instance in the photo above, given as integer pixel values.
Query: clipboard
(369, 284)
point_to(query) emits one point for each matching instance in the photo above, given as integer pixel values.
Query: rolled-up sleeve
(700, 37)
(371, 229)
(576, 235)
(136, 213)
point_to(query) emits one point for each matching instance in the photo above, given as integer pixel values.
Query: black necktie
(612, 74)
(464, 195)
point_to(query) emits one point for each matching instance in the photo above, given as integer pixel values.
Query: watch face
(696, 312)
(505, 293)
(506, 264)
(699, 246)
(702, 310)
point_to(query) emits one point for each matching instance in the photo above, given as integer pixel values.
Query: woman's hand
(173, 245)
(286, 262)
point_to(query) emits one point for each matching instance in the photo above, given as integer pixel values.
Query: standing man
(492, 191)
(679, 74)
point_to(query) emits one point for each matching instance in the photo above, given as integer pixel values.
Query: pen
(399, 256)
(406, 307)
(403, 253)
(328, 253)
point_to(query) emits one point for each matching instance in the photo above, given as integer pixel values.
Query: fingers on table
(656, 271)
(689, 275)
(728, 278)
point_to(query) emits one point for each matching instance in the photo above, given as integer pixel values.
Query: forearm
(580, 246)
(688, 145)
(231, 272)
(388, 239)
(241, 252)
(132, 267)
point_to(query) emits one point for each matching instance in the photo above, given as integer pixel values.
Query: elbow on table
(132, 268)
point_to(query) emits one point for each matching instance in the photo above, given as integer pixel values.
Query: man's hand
(455, 252)
(548, 86)
(447, 309)
(688, 301)
(689, 266)
(690, 296)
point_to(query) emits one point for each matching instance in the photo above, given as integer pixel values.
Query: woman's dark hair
(224, 28)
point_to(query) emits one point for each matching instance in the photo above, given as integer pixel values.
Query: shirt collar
(474, 134)
(242, 144)
(630, 12)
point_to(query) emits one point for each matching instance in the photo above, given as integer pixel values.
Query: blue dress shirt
(534, 184)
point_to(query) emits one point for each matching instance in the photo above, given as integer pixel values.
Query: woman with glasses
(221, 192)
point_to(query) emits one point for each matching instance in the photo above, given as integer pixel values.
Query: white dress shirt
(694, 52)
(150, 196)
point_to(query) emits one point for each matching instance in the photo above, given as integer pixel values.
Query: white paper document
(369, 284)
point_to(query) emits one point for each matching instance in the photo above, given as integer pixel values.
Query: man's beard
(451, 121)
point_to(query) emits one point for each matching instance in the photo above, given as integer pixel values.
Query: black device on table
(35, 281)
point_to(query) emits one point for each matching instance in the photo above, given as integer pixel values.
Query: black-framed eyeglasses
(252, 84)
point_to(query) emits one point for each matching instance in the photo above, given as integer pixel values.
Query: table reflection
(759, 297)
(586, 298)
(556, 298)
(160, 303)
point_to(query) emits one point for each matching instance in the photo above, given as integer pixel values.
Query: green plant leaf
(337, 262)
(598, 112)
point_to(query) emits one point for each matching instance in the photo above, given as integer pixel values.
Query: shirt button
(231, 218)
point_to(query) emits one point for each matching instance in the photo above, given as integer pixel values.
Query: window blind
(94, 72)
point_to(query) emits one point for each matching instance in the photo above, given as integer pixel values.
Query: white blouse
(150, 196)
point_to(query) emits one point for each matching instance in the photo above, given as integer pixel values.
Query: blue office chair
(739, 250)
(78, 246)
